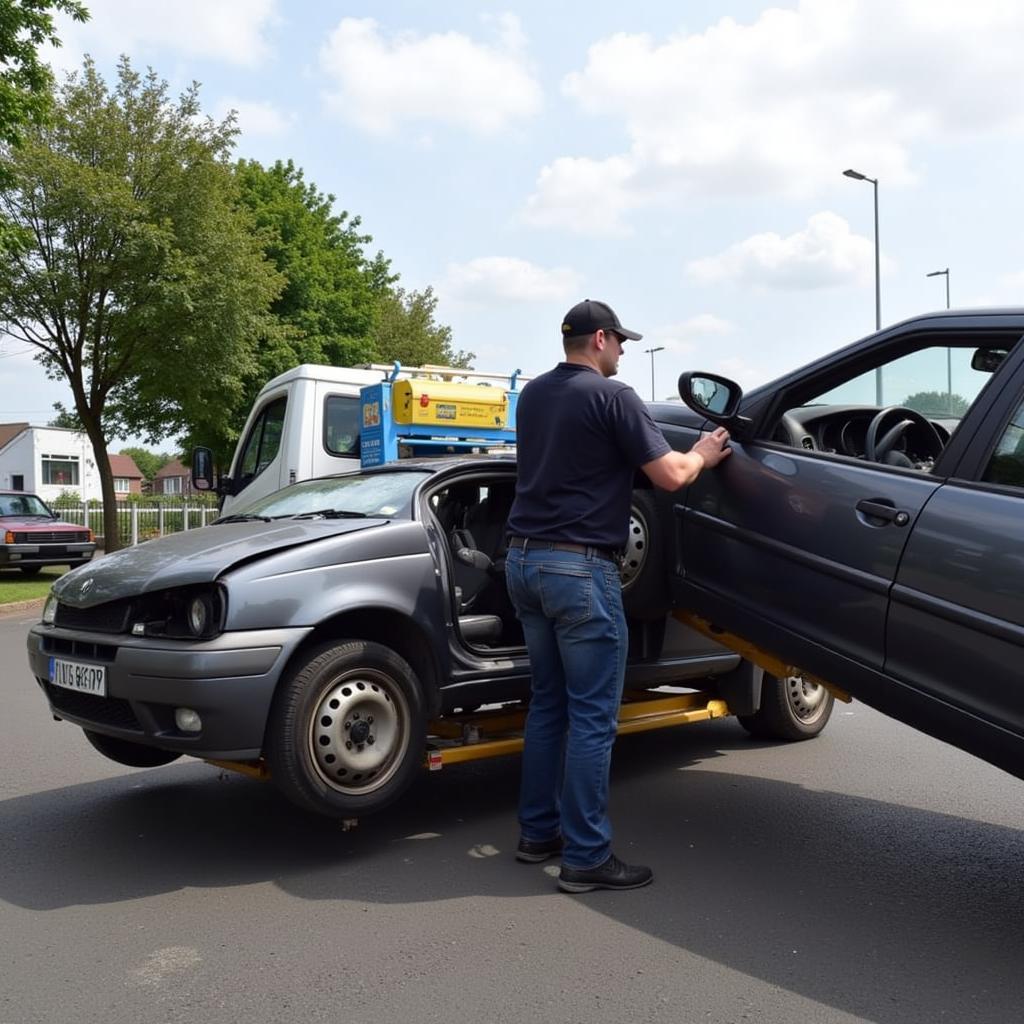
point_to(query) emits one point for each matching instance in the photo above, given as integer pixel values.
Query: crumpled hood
(194, 556)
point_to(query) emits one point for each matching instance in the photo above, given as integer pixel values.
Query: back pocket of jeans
(565, 594)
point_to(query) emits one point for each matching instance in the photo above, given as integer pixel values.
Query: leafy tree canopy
(405, 330)
(25, 81)
(149, 463)
(138, 278)
(937, 404)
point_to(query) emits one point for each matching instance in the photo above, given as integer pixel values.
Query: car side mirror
(716, 398)
(202, 469)
(988, 360)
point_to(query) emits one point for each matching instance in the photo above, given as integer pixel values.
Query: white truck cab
(306, 422)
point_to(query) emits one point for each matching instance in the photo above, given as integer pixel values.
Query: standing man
(580, 437)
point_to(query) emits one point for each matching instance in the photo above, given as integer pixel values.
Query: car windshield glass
(23, 505)
(369, 494)
(937, 382)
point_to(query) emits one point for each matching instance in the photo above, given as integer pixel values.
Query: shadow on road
(870, 907)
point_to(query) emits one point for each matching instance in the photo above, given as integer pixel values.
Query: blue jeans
(570, 606)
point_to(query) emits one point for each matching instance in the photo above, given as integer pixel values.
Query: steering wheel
(898, 420)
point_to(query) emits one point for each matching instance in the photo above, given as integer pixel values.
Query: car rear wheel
(135, 755)
(791, 709)
(347, 729)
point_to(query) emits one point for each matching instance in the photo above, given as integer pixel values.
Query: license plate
(74, 675)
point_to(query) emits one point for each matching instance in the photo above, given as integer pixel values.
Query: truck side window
(341, 425)
(264, 439)
(1007, 463)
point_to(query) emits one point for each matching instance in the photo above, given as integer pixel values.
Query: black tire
(30, 570)
(135, 755)
(791, 709)
(644, 570)
(347, 729)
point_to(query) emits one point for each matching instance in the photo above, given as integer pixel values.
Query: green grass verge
(16, 586)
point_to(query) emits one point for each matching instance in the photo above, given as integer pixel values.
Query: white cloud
(781, 105)
(233, 31)
(690, 335)
(257, 118)
(824, 255)
(506, 279)
(588, 197)
(443, 77)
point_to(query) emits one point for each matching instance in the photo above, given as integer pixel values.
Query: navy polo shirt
(580, 438)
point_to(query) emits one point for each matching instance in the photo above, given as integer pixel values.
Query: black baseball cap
(589, 316)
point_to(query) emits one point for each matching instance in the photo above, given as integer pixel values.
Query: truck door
(256, 472)
(956, 625)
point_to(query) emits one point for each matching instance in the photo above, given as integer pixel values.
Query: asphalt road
(870, 875)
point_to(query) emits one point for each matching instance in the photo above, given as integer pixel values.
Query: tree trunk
(111, 533)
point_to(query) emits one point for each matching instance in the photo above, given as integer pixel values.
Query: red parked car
(32, 536)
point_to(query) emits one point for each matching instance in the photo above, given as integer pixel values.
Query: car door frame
(764, 407)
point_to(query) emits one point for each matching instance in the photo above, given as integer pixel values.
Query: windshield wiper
(329, 513)
(241, 517)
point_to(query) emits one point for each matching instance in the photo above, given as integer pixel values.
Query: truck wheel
(347, 729)
(791, 709)
(644, 572)
(135, 755)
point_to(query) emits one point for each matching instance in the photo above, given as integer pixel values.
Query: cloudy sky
(681, 163)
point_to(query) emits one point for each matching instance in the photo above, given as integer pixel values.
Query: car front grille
(111, 617)
(50, 536)
(111, 711)
(79, 649)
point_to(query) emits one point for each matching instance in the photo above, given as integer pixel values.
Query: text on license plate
(74, 675)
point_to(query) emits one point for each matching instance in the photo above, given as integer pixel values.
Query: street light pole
(857, 176)
(945, 274)
(660, 348)
(949, 351)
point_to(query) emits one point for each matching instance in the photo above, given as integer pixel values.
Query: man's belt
(592, 551)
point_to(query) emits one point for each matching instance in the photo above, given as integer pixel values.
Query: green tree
(137, 277)
(405, 330)
(325, 310)
(937, 404)
(149, 463)
(65, 418)
(25, 82)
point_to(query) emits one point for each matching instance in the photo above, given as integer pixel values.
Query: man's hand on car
(713, 447)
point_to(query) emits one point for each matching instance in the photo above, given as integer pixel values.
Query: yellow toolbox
(435, 403)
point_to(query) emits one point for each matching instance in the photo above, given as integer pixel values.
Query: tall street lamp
(857, 176)
(660, 348)
(949, 351)
(945, 274)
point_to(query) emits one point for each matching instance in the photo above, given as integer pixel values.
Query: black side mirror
(716, 397)
(988, 360)
(202, 469)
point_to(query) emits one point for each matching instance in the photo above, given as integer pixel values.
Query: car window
(1007, 463)
(264, 439)
(937, 381)
(342, 419)
(22, 505)
(370, 494)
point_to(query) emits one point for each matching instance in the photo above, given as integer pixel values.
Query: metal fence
(136, 522)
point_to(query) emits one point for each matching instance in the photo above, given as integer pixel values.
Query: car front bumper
(14, 555)
(230, 681)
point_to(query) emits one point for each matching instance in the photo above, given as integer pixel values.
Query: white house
(47, 460)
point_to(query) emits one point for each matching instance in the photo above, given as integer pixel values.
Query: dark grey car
(327, 627)
(869, 526)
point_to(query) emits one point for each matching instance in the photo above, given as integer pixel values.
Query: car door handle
(882, 508)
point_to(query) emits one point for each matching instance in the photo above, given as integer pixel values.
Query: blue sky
(682, 163)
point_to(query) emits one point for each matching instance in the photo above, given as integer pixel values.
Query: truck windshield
(369, 494)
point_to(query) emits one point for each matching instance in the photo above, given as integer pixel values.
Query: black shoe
(532, 851)
(612, 874)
